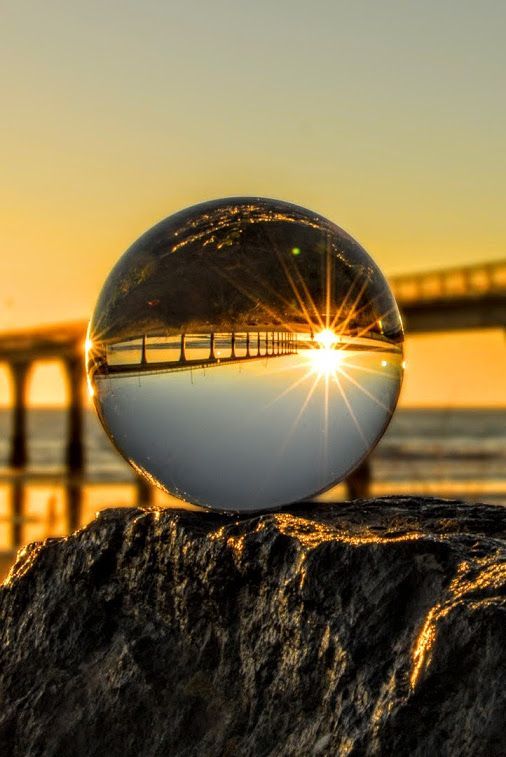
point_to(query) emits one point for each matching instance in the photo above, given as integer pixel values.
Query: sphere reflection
(244, 354)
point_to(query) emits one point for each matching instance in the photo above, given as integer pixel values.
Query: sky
(386, 117)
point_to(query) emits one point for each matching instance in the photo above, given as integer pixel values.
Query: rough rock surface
(370, 628)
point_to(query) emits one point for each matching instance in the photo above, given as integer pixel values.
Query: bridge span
(191, 351)
(465, 297)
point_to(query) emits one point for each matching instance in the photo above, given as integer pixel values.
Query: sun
(326, 359)
(326, 338)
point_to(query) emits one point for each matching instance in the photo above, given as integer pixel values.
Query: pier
(472, 297)
(466, 297)
(192, 351)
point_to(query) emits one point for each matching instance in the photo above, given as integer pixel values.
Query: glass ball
(245, 354)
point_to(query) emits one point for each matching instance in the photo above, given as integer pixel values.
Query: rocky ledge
(366, 628)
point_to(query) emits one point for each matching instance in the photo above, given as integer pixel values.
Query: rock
(366, 628)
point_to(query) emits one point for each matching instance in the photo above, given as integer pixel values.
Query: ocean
(449, 453)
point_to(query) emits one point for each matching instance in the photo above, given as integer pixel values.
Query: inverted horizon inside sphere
(244, 354)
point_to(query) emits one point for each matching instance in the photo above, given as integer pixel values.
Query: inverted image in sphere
(244, 354)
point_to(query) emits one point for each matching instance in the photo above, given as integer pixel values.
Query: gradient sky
(387, 117)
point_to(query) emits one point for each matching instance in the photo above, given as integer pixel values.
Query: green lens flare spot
(296, 250)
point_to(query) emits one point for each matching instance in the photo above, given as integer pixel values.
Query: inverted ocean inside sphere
(244, 354)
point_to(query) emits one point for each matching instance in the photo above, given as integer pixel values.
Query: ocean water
(448, 453)
(420, 446)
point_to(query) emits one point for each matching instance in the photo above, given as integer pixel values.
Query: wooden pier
(459, 298)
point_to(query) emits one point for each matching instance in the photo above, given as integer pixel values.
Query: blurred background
(388, 118)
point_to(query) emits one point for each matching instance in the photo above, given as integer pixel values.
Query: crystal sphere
(244, 354)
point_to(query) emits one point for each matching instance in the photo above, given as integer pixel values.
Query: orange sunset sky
(388, 118)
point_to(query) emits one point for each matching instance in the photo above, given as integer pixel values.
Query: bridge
(192, 351)
(212, 350)
(468, 297)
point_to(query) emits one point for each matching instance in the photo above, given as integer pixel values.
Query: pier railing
(451, 283)
(188, 351)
